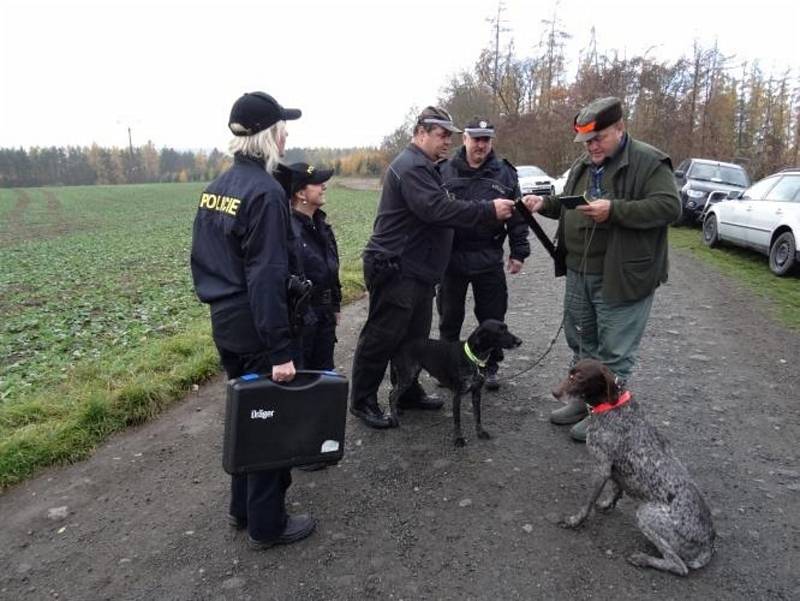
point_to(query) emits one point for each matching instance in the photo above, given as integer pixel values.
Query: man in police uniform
(474, 172)
(615, 245)
(406, 256)
(240, 264)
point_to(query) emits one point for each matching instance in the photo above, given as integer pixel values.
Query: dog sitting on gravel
(457, 365)
(633, 457)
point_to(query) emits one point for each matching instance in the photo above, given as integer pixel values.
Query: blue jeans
(597, 329)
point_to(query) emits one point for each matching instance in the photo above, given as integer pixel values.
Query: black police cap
(256, 111)
(297, 176)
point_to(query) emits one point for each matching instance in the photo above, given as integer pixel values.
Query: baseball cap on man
(303, 174)
(256, 111)
(479, 128)
(595, 116)
(433, 115)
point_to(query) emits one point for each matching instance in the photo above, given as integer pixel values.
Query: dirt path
(407, 516)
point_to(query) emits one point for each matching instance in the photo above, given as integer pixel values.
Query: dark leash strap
(537, 229)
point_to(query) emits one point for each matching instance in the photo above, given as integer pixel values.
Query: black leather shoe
(238, 523)
(373, 416)
(297, 528)
(424, 402)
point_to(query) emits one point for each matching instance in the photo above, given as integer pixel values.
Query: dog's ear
(591, 379)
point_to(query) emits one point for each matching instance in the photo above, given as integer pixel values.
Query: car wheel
(782, 254)
(710, 231)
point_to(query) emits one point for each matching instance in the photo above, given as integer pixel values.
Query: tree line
(706, 104)
(80, 165)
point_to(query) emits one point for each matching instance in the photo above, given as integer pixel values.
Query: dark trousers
(400, 310)
(491, 302)
(258, 497)
(314, 349)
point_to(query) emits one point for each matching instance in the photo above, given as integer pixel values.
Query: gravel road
(407, 516)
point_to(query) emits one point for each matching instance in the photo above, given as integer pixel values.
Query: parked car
(533, 180)
(697, 178)
(558, 184)
(765, 217)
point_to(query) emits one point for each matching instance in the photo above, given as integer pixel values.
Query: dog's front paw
(484, 435)
(640, 560)
(571, 521)
(460, 441)
(606, 505)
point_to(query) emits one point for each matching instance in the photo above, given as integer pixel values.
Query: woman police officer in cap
(319, 260)
(242, 255)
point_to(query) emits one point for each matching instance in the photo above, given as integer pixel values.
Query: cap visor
(449, 127)
(321, 176)
(291, 114)
(479, 133)
(585, 137)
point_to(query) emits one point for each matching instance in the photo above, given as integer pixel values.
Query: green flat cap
(595, 116)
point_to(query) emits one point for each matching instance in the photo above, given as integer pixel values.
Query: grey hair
(263, 145)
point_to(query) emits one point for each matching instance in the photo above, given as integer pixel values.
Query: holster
(380, 269)
(298, 296)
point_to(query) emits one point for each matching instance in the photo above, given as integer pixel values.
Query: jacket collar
(244, 159)
(316, 220)
(616, 160)
(459, 161)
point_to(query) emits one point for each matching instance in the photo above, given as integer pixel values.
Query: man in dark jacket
(477, 256)
(241, 259)
(406, 256)
(615, 245)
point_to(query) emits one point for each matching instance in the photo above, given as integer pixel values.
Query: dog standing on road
(457, 366)
(633, 457)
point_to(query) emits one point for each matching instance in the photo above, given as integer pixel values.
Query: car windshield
(725, 174)
(759, 189)
(530, 171)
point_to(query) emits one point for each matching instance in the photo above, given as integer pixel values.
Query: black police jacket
(479, 248)
(243, 249)
(318, 256)
(416, 215)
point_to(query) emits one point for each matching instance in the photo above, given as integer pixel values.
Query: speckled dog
(633, 457)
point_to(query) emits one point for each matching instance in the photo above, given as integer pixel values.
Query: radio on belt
(270, 425)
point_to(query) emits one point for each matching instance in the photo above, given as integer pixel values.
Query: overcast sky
(73, 73)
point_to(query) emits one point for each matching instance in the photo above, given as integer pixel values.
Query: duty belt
(322, 297)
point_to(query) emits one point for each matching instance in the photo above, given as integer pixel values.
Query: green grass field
(100, 328)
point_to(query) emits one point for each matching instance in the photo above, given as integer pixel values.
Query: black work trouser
(400, 310)
(258, 497)
(314, 349)
(491, 302)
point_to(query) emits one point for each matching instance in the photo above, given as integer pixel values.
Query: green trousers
(596, 329)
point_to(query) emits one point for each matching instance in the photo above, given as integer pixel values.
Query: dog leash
(541, 357)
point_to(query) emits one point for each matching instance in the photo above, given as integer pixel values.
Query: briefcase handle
(303, 379)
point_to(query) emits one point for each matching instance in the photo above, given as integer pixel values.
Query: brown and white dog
(632, 457)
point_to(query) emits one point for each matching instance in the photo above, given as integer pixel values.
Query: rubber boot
(573, 412)
(578, 431)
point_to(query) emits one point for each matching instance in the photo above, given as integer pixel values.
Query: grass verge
(748, 268)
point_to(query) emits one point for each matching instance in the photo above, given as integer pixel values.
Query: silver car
(764, 217)
(533, 180)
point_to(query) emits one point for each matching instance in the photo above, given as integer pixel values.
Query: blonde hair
(263, 145)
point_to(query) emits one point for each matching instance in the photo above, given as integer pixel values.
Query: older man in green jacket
(613, 245)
